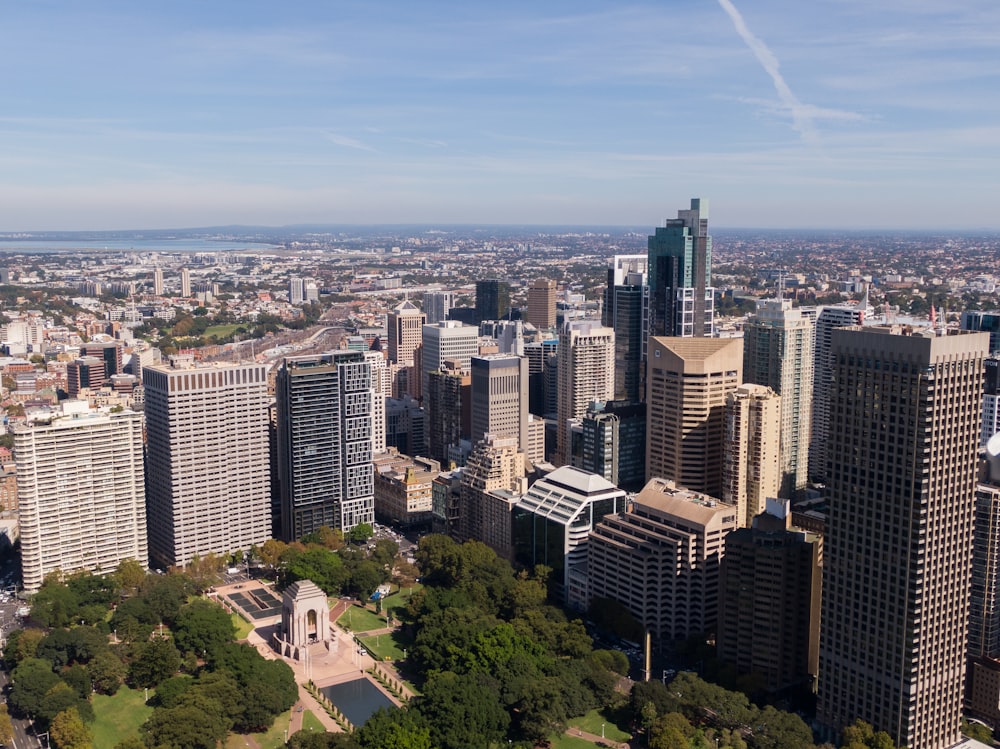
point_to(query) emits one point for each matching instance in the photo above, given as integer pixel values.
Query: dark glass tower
(680, 268)
(492, 300)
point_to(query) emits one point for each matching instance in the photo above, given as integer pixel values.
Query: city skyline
(180, 116)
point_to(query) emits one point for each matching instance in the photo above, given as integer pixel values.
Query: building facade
(208, 467)
(660, 559)
(778, 352)
(405, 329)
(499, 397)
(492, 300)
(904, 430)
(626, 309)
(682, 301)
(82, 493)
(586, 367)
(324, 410)
(542, 304)
(687, 381)
(751, 468)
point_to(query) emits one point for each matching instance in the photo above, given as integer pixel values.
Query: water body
(186, 245)
(358, 699)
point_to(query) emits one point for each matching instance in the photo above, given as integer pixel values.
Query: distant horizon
(585, 113)
(7, 236)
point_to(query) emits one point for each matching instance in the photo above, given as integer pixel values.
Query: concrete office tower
(158, 281)
(296, 290)
(552, 525)
(667, 528)
(904, 426)
(613, 436)
(447, 341)
(81, 491)
(541, 394)
(449, 418)
(492, 300)
(687, 381)
(769, 600)
(492, 482)
(682, 301)
(381, 389)
(499, 397)
(626, 309)
(778, 352)
(982, 690)
(586, 374)
(325, 442)
(986, 322)
(405, 328)
(436, 305)
(87, 373)
(406, 426)
(509, 335)
(991, 400)
(751, 468)
(207, 459)
(542, 304)
(828, 320)
(185, 283)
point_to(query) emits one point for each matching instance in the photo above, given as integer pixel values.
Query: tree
(395, 728)
(132, 742)
(361, 533)
(777, 729)
(6, 727)
(54, 605)
(464, 711)
(68, 731)
(184, 727)
(202, 626)
(107, 672)
(32, 680)
(153, 662)
(21, 645)
(129, 576)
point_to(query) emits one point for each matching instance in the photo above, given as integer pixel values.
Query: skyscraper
(405, 330)
(687, 381)
(324, 406)
(828, 319)
(436, 305)
(626, 309)
(185, 283)
(499, 397)
(991, 401)
(381, 389)
(542, 304)
(296, 290)
(448, 415)
(586, 373)
(904, 429)
(778, 352)
(492, 300)
(682, 302)
(447, 341)
(208, 468)
(158, 281)
(751, 471)
(81, 492)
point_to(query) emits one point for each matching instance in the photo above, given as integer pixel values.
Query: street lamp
(602, 730)
(46, 735)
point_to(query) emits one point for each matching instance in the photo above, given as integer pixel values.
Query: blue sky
(828, 113)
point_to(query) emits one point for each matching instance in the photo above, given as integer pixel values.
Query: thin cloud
(802, 115)
(343, 140)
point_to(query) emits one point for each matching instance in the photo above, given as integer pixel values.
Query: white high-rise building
(381, 389)
(437, 304)
(208, 459)
(185, 283)
(586, 374)
(447, 341)
(158, 281)
(778, 346)
(296, 290)
(81, 492)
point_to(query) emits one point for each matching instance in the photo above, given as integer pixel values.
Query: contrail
(801, 120)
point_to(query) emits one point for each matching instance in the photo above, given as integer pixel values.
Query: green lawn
(570, 742)
(243, 627)
(359, 619)
(221, 331)
(591, 722)
(401, 598)
(118, 717)
(311, 723)
(272, 739)
(386, 646)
